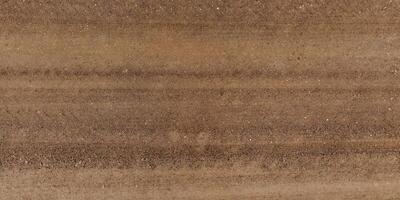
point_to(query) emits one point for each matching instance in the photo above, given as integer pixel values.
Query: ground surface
(188, 100)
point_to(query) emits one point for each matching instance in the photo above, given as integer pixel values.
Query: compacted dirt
(199, 100)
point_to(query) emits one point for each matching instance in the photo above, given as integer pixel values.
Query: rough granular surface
(213, 99)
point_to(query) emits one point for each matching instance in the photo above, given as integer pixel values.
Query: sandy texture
(199, 100)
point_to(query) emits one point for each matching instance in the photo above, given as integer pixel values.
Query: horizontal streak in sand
(47, 155)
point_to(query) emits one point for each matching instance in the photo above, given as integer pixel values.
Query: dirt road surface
(199, 100)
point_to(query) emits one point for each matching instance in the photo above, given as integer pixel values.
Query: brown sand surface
(185, 99)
